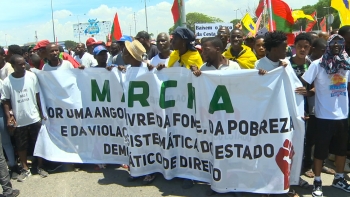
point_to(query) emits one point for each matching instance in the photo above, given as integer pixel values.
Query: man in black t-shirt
(144, 38)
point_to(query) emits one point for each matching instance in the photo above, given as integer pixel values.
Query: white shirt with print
(22, 93)
(331, 96)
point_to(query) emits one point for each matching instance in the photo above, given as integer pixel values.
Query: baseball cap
(41, 44)
(90, 41)
(98, 49)
(142, 34)
(125, 38)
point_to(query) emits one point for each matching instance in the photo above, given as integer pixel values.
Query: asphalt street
(113, 181)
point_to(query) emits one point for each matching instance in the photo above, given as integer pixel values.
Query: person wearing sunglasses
(330, 76)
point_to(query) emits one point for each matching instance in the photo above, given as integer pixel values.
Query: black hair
(14, 58)
(215, 41)
(249, 39)
(15, 49)
(344, 30)
(35, 60)
(274, 39)
(143, 34)
(2, 51)
(319, 42)
(60, 48)
(236, 29)
(226, 29)
(25, 49)
(259, 37)
(303, 36)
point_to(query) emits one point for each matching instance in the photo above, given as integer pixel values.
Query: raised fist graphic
(284, 160)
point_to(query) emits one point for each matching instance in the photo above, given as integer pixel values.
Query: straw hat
(136, 49)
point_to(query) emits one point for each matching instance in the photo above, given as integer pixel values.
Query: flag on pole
(311, 24)
(323, 25)
(280, 16)
(257, 24)
(249, 23)
(176, 11)
(259, 10)
(297, 14)
(343, 8)
(116, 32)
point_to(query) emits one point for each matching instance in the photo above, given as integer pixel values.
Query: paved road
(113, 182)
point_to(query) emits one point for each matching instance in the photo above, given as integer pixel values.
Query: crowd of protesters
(320, 61)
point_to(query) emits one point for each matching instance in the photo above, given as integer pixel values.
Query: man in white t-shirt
(275, 44)
(54, 62)
(330, 76)
(84, 58)
(212, 49)
(21, 92)
(163, 46)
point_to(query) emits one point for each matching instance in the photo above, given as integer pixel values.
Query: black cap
(142, 34)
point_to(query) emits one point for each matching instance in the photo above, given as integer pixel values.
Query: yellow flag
(344, 11)
(249, 23)
(300, 14)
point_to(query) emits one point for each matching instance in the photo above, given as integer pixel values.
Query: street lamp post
(53, 23)
(236, 12)
(77, 15)
(146, 15)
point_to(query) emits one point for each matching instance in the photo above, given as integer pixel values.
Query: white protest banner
(254, 122)
(161, 124)
(209, 29)
(235, 130)
(85, 117)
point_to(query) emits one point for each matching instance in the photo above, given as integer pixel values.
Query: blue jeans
(5, 138)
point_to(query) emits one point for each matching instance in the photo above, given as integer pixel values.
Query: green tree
(235, 21)
(321, 7)
(195, 17)
(70, 44)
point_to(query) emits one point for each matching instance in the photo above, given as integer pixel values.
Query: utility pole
(53, 24)
(183, 14)
(236, 12)
(36, 36)
(130, 30)
(135, 23)
(146, 15)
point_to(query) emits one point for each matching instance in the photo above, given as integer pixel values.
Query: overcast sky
(21, 18)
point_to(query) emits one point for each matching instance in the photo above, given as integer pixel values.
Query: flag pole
(318, 27)
(183, 13)
(270, 10)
